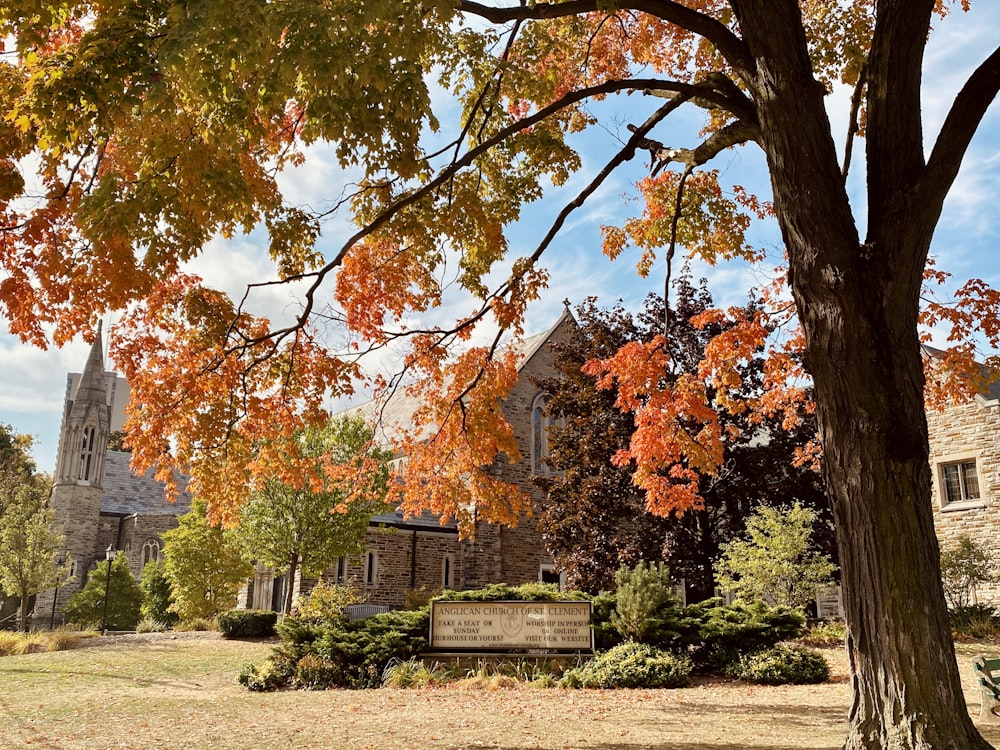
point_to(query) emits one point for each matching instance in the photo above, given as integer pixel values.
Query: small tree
(156, 595)
(87, 606)
(775, 562)
(204, 570)
(646, 603)
(28, 544)
(964, 566)
(286, 526)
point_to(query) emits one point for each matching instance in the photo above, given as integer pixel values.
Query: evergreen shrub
(532, 592)
(631, 665)
(781, 665)
(605, 634)
(725, 633)
(974, 622)
(341, 654)
(646, 608)
(247, 623)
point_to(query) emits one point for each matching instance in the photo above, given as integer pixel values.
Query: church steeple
(86, 423)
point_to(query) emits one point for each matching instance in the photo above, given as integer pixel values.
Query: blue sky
(32, 382)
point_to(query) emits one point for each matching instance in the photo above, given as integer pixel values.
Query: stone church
(100, 505)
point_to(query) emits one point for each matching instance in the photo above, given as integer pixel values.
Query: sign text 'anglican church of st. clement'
(504, 625)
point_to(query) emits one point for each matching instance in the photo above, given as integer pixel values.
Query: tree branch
(960, 125)
(725, 41)
(852, 122)
(685, 92)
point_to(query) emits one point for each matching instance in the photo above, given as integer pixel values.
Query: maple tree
(595, 520)
(132, 133)
(309, 528)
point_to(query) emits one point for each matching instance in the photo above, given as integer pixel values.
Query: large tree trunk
(858, 303)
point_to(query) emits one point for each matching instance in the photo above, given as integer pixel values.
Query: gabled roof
(125, 493)
(990, 394)
(398, 410)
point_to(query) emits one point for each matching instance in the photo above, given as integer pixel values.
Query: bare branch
(852, 122)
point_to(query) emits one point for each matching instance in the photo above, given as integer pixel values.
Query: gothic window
(539, 435)
(341, 569)
(87, 453)
(150, 551)
(371, 568)
(959, 483)
(541, 423)
(447, 572)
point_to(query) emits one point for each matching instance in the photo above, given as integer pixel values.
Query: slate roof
(424, 522)
(125, 493)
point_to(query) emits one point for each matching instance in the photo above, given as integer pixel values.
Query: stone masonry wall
(520, 551)
(966, 432)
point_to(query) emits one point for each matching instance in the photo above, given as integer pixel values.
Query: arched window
(371, 568)
(541, 423)
(447, 572)
(86, 453)
(150, 551)
(341, 569)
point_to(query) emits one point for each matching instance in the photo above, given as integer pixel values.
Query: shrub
(344, 654)
(776, 562)
(605, 634)
(828, 633)
(781, 665)
(313, 672)
(419, 597)
(267, 676)
(327, 602)
(535, 592)
(974, 621)
(631, 665)
(148, 625)
(647, 609)
(247, 623)
(964, 566)
(724, 633)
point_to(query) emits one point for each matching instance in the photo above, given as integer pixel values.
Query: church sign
(509, 625)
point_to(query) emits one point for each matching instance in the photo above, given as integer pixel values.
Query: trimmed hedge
(781, 665)
(247, 623)
(631, 665)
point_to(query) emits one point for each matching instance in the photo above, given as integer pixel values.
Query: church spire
(90, 389)
(86, 422)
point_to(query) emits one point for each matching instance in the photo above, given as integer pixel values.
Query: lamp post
(109, 554)
(60, 561)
